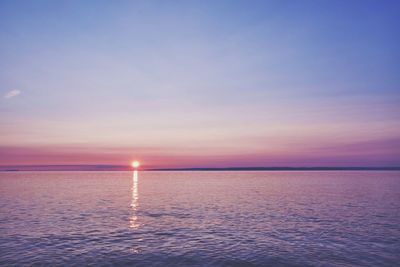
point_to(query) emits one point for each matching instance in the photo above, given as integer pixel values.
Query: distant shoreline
(127, 168)
(283, 169)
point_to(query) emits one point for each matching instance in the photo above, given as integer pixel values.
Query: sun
(135, 164)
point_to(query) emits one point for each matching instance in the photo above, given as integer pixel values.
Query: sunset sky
(200, 83)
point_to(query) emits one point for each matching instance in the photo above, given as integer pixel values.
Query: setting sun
(135, 164)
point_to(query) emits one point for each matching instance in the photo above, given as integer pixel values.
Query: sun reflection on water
(133, 220)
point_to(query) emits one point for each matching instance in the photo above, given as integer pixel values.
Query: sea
(200, 218)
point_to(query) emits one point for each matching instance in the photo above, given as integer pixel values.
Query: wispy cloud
(12, 93)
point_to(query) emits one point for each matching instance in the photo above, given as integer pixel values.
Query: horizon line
(111, 167)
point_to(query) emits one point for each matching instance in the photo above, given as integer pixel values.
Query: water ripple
(200, 219)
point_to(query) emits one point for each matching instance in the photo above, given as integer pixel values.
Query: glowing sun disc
(135, 164)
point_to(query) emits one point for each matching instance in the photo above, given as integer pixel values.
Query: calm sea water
(200, 218)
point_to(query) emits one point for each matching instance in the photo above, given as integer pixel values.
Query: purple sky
(200, 83)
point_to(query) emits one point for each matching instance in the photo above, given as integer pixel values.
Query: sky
(200, 83)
